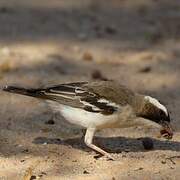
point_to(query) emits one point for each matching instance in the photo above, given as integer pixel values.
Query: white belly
(84, 118)
(87, 119)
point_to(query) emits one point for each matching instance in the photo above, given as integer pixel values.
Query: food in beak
(166, 132)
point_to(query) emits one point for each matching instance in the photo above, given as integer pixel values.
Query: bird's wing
(77, 95)
(72, 94)
(111, 91)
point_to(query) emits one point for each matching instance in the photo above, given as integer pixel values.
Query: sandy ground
(42, 42)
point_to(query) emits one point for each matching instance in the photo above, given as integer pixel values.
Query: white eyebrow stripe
(157, 104)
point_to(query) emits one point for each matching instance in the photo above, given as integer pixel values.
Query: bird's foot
(107, 157)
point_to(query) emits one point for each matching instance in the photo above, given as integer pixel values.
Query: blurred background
(42, 42)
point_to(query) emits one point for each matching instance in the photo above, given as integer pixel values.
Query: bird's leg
(88, 141)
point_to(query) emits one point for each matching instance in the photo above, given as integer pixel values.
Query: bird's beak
(166, 131)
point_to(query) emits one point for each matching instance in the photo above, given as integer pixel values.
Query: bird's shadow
(112, 144)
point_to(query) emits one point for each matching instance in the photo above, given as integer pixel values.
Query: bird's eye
(161, 112)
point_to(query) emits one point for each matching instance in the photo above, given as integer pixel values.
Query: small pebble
(96, 74)
(163, 162)
(147, 143)
(51, 122)
(85, 172)
(87, 56)
(25, 150)
(42, 174)
(32, 177)
(145, 69)
(138, 169)
(110, 30)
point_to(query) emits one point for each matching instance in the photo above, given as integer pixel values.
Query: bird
(98, 105)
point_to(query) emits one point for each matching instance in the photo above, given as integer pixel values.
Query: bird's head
(154, 111)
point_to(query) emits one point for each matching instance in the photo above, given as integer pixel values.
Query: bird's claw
(107, 157)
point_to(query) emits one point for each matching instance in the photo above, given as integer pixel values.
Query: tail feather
(23, 91)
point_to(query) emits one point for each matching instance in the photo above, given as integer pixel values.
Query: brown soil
(42, 42)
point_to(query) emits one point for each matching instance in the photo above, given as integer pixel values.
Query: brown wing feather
(111, 91)
(93, 97)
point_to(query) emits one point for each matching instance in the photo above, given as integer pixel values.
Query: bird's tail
(23, 91)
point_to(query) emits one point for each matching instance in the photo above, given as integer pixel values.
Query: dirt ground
(42, 42)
